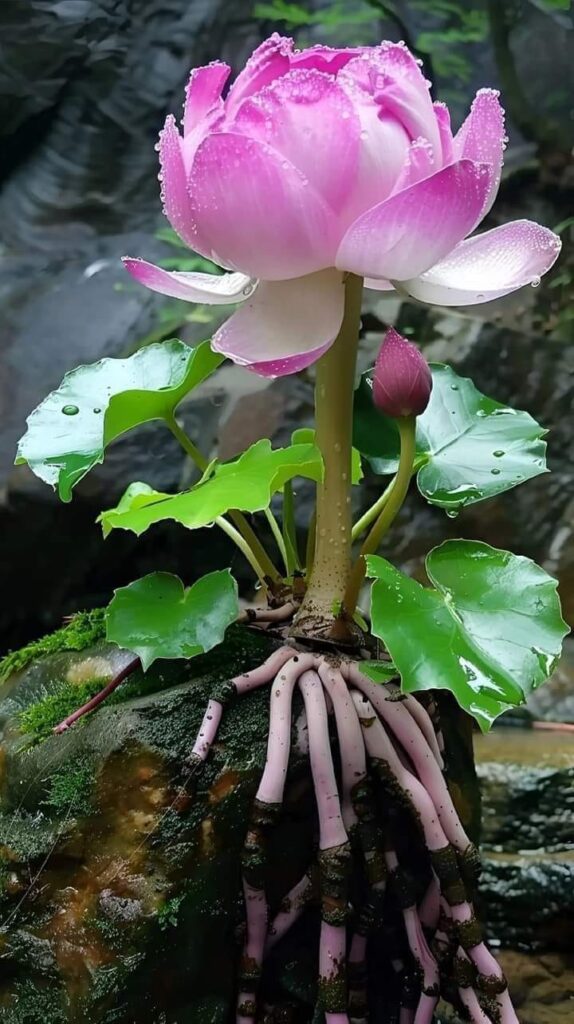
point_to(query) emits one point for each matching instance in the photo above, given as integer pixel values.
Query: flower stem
(276, 531)
(400, 486)
(244, 547)
(334, 388)
(372, 512)
(187, 444)
(290, 529)
(259, 555)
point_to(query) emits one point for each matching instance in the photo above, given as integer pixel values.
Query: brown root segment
(393, 867)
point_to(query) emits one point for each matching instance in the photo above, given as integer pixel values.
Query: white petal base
(488, 266)
(209, 289)
(286, 325)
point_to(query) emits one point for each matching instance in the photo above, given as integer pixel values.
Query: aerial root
(387, 784)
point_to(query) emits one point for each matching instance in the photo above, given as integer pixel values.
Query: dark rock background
(84, 88)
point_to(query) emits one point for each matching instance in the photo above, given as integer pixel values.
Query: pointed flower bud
(402, 380)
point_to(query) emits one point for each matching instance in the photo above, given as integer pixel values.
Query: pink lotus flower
(402, 381)
(325, 161)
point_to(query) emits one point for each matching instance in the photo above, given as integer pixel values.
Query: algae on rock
(120, 891)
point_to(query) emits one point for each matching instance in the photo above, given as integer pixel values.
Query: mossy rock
(120, 877)
(120, 893)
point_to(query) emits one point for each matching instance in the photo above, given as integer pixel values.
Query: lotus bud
(402, 380)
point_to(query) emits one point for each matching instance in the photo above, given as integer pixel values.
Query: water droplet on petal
(70, 410)
(535, 282)
(495, 472)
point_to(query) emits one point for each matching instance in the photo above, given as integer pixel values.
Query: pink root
(486, 965)
(407, 732)
(272, 783)
(331, 828)
(469, 999)
(256, 912)
(268, 615)
(335, 854)
(208, 729)
(263, 673)
(297, 899)
(351, 743)
(238, 685)
(126, 671)
(421, 954)
(385, 758)
(421, 717)
(332, 953)
(267, 804)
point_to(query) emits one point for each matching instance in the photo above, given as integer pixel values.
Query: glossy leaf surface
(246, 484)
(156, 617)
(69, 431)
(489, 629)
(378, 671)
(469, 447)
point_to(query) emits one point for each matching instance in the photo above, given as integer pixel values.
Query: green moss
(113, 934)
(86, 628)
(168, 914)
(25, 836)
(34, 1005)
(38, 720)
(72, 787)
(241, 650)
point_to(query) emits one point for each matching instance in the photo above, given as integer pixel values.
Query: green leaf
(469, 447)
(69, 431)
(489, 629)
(156, 617)
(306, 435)
(378, 671)
(246, 484)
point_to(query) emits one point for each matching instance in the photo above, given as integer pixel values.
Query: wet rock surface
(81, 111)
(120, 895)
(120, 887)
(527, 885)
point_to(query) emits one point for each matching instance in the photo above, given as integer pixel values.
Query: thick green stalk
(242, 526)
(400, 486)
(334, 388)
